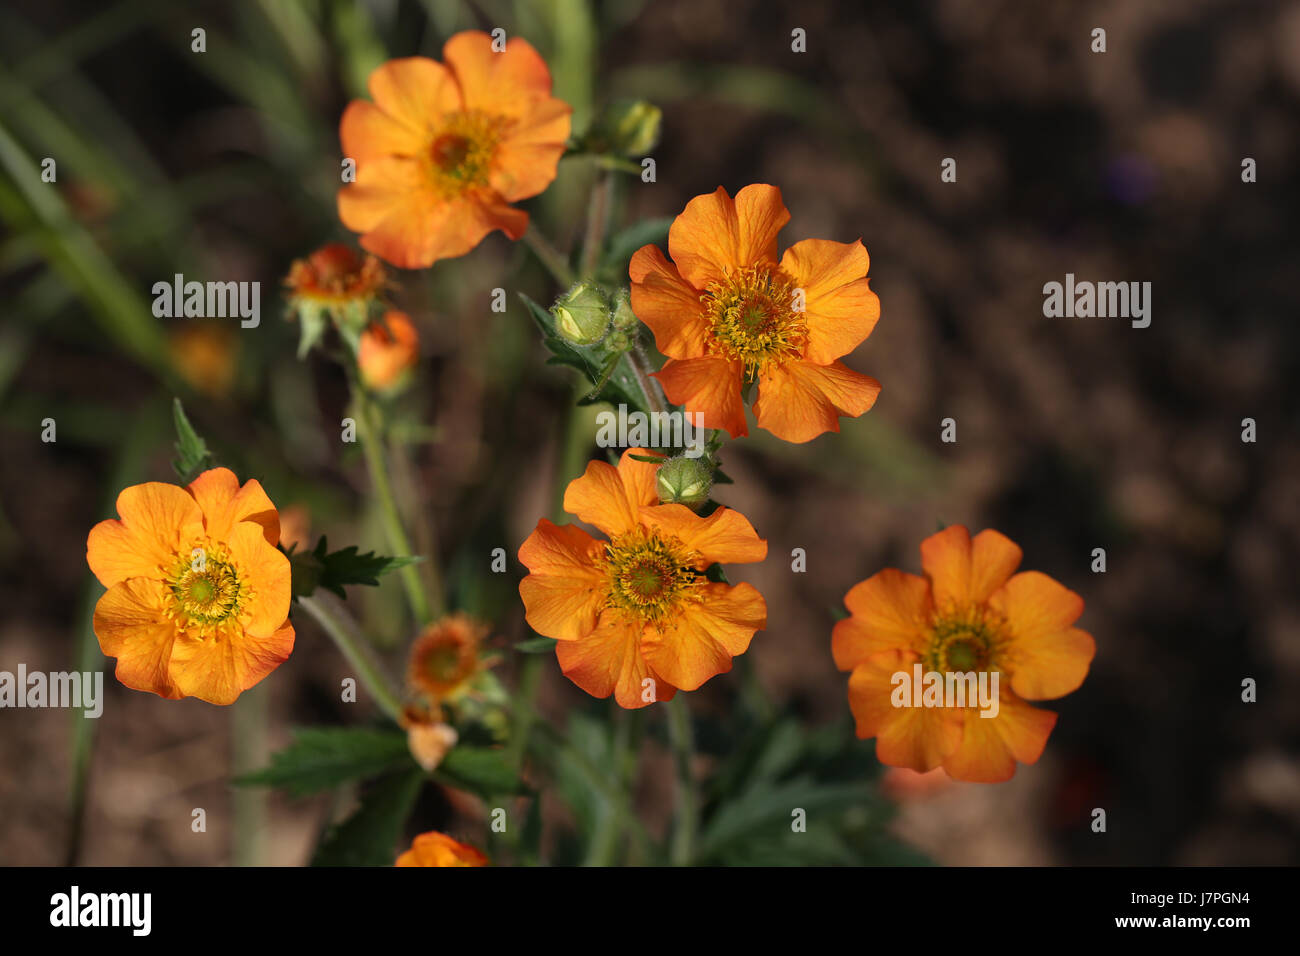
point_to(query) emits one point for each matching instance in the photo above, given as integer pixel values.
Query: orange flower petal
(840, 308)
(414, 91)
(709, 386)
(266, 570)
(700, 641)
(157, 521)
(563, 594)
(528, 157)
(1047, 657)
(639, 477)
(508, 83)
(218, 669)
(367, 133)
(599, 497)
(225, 504)
(668, 304)
(715, 234)
(990, 746)
(965, 571)
(438, 849)
(799, 401)
(726, 536)
(890, 611)
(915, 737)
(609, 661)
(132, 626)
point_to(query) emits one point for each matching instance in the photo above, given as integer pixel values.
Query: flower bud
(684, 481)
(624, 317)
(628, 128)
(582, 314)
(388, 351)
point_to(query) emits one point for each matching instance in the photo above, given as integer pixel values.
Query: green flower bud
(582, 314)
(684, 481)
(627, 128)
(624, 317)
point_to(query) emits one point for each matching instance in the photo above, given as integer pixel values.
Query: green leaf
(333, 570)
(320, 758)
(485, 771)
(608, 370)
(192, 455)
(716, 574)
(369, 837)
(536, 645)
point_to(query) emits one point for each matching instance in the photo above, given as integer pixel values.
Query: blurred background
(1072, 434)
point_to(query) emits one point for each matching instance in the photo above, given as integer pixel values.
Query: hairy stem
(334, 619)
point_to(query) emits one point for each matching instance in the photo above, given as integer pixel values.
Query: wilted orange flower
(445, 657)
(970, 614)
(389, 349)
(727, 314)
(445, 148)
(438, 849)
(336, 275)
(198, 595)
(635, 616)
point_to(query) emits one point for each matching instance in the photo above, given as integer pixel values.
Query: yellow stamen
(462, 151)
(752, 318)
(649, 576)
(206, 589)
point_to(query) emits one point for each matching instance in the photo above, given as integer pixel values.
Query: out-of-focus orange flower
(635, 616)
(728, 314)
(438, 849)
(429, 742)
(446, 147)
(389, 349)
(904, 784)
(970, 614)
(445, 657)
(198, 595)
(205, 356)
(334, 283)
(295, 528)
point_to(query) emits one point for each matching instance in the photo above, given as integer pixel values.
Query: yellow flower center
(460, 155)
(648, 575)
(752, 318)
(206, 590)
(964, 640)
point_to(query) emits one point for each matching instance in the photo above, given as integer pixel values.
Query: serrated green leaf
(333, 570)
(320, 758)
(369, 837)
(192, 455)
(485, 771)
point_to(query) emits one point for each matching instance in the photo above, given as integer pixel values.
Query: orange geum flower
(969, 615)
(438, 849)
(334, 282)
(445, 657)
(727, 314)
(445, 148)
(636, 616)
(389, 349)
(198, 595)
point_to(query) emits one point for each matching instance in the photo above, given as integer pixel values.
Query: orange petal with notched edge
(964, 571)
(158, 520)
(609, 661)
(799, 401)
(990, 746)
(726, 536)
(700, 640)
(131, 624)
(639, 477)
(367, 133)
(709, 387)
(509, 83)
(1047, 657)
(890, 611)
(219, 668)
(415, 92)
(599, 497)
(915, 737)
(667, 304)
(564, 593)
(225, 504)
(266, 570)
(839, 307)
(715, 234)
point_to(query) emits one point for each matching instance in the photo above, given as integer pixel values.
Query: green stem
(249, 751)
(679, 733)
(334, 619)
(373, 448)
(655, 399)
(550, 257)
(597, 221)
